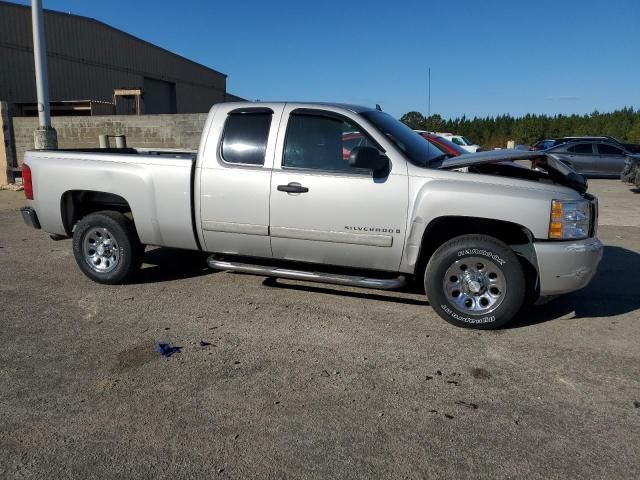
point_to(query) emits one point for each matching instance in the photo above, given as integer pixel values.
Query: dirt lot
(296, 380)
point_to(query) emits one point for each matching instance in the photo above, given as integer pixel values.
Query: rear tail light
(27, 181)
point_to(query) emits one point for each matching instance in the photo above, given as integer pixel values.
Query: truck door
(324, 211)
(235, 178)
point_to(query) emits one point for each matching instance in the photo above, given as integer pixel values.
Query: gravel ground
(279, 379)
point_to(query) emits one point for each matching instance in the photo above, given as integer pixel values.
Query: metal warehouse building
(88, 60)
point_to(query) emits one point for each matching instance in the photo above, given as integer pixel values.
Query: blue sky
(486, 57)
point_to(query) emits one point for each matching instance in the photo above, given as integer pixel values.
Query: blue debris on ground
(166, 349)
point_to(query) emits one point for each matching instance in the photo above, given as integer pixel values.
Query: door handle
(292, 187)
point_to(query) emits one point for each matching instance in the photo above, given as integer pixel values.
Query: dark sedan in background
(593, 156)
(553, 142)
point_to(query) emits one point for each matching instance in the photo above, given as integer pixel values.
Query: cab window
(322, 143)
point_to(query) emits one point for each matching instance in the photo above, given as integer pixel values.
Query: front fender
(435, 198)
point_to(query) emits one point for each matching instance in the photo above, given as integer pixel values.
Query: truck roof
(346, 106)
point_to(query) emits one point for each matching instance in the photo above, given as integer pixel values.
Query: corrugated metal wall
(88, 59)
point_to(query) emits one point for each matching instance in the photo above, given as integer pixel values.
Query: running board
(349, 280)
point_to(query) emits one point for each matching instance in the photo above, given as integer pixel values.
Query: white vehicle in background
(461, 141)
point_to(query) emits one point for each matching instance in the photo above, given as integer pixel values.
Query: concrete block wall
(143, 131)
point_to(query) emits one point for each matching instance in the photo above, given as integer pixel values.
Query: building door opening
(159, 96)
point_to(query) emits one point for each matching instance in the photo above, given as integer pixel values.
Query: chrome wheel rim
(100, 250)
(475, 285)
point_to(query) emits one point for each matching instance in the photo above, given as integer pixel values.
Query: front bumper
(30, 217)
(564, 267)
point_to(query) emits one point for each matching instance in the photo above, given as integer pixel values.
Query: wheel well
(518, 237)
(76, 204)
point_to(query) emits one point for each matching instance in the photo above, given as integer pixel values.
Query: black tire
(112, 229)
(490, 291)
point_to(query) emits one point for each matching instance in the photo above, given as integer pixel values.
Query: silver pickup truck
(329, 193)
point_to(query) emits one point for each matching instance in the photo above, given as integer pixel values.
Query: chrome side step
(353, 281)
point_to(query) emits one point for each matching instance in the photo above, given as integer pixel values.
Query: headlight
(569, 219)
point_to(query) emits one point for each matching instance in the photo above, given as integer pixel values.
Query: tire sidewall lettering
(465, 319)
(468, 252)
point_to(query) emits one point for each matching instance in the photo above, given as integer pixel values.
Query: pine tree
(492, 132)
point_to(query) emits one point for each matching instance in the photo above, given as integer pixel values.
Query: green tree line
(492, 132)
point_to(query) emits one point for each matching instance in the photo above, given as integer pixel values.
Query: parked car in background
(461, 141)
(351, 140)
(592, 158)
(631, 147)
(442, 143)
(545, 144)
(553, 142)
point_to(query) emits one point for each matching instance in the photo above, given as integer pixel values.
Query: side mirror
(369, 158)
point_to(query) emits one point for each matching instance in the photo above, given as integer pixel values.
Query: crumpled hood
(489, 156)
(542, 165)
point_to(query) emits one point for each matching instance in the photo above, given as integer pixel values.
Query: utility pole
(429, 92)
(45, 137)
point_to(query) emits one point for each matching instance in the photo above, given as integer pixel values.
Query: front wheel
(475, 281)
(106, 247)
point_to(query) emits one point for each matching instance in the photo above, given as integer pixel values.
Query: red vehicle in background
(352, 140)
(442, 143)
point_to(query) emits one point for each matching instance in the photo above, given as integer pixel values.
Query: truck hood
(544, 166)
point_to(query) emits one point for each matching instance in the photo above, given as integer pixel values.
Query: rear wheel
(475, 281)
(106, 247)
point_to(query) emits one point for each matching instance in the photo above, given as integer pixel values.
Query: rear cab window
(245, 136)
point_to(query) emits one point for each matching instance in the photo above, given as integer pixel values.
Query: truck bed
(155, 184)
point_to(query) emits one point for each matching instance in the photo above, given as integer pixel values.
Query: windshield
(417, 151)
(467, 141)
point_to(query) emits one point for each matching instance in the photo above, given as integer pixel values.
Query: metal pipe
(307, 276)
(40, 58)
